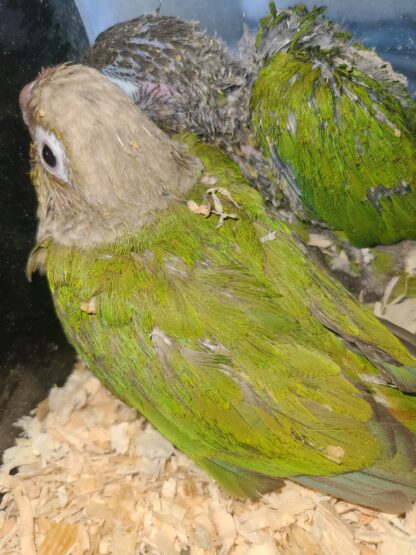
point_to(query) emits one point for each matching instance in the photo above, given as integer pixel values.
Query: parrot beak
(24, 97)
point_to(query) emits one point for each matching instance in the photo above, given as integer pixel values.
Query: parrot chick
(342, 121)
(182, 78)
(231, 341)
(185, 80)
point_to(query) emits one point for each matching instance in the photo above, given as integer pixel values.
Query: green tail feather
(240, 481)
(402, 377)
(366, 488)
(390, 485)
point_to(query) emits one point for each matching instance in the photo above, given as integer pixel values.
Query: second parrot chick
(182, 78)
(330, 115)
(185, 80)
(342, 120)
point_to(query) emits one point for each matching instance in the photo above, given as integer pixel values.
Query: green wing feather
(241, 351)
(348, 137)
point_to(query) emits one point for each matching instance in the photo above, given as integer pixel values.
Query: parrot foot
(213, 205)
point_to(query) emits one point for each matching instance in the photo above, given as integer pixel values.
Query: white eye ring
(51, 154)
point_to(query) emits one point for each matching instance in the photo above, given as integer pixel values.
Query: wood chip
(335, 453)
(320, 241)
(90, 306)
(269, 237)
(204, 209)
(334, 535)
(60, 539)
(341, 263)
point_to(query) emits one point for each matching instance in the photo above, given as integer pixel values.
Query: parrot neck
(68, 218)
(84, 230)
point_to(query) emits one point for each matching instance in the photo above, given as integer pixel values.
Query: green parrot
(336, 117)
(195, 307)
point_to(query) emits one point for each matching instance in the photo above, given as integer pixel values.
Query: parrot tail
(390, 484)
(405, 336)
(370, 488)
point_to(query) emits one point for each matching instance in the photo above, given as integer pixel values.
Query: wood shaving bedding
(95, 478)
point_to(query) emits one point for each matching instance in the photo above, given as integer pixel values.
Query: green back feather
(224, 342)
(349, 138)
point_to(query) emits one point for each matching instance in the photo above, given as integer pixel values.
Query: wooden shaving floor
(96, 478)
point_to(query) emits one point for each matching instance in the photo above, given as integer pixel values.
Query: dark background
(36, 33)
(33, 351)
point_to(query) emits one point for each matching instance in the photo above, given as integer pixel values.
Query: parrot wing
(239, 349)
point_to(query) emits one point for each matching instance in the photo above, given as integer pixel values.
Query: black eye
(48, 156)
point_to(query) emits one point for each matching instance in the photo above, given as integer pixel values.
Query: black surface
(34, 353)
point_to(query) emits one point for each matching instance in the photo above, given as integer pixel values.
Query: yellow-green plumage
(332, 112)
(240, 350)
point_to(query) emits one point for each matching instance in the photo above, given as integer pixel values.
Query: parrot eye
(52, 154)
(48, 156)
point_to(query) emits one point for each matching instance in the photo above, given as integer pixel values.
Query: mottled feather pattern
(213, 336)
(342, 120)
(163, 62)
(185, 80)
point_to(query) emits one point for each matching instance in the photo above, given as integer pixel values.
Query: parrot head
(99, 165)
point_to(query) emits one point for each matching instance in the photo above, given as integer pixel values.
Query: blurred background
(388, 25)
(36, 33)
